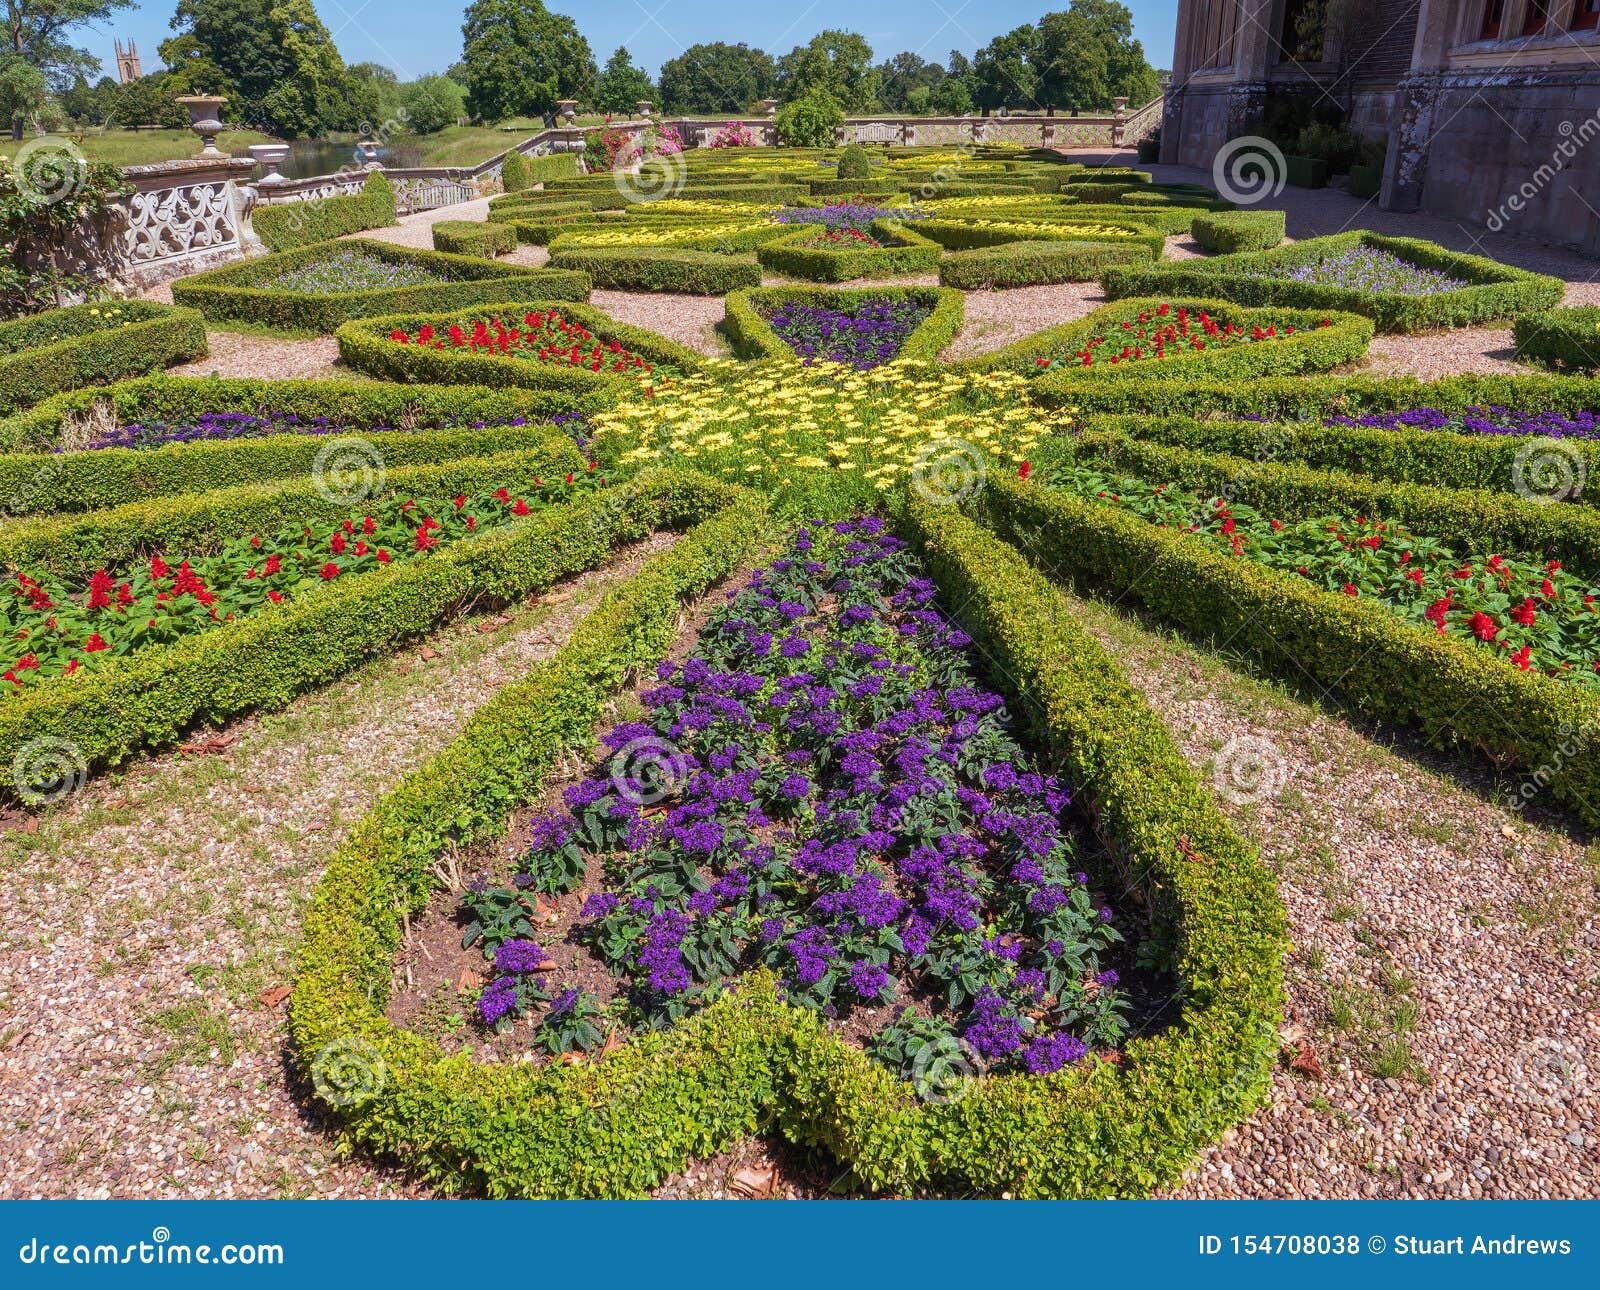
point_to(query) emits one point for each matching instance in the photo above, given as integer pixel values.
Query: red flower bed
(1165, 333)
(543, 337)
(57, 630)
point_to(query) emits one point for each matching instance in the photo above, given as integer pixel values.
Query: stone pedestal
(203, 112)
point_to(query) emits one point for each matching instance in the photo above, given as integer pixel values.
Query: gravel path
(142, 922)
(1446, 960)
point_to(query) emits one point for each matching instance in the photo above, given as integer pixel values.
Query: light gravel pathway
(141, 922)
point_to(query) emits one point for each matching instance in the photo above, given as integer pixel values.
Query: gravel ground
(143, 923)
(1446, 959)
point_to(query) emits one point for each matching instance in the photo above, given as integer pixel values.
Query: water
(309, 157)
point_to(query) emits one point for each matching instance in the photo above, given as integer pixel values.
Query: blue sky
(420, 36)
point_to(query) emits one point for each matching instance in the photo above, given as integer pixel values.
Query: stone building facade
(1489, 109)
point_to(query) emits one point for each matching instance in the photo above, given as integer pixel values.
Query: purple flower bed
(823, 788)
(841, 215)
(347, 271)
(869, 333)
(210, 427)
(1489, 420)
(1366, 268)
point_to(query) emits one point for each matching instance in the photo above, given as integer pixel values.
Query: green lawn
(142, 147)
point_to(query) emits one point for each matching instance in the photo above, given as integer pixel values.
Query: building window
(1494, 15)
(1216, 22)
(1586, 15)
(1535, 17)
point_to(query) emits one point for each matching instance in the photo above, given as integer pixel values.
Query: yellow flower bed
(768, 424)
(1022, 230)
(633, 235)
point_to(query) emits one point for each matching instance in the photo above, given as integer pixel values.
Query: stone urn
(769, 107)
(203, 112)
(642, 107)
(568, 109)
(270, 156)
(367, 150)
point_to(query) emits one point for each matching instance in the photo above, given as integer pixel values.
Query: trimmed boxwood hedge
(234, 293)
(904, 250)
(75, 545)
(1166, 220)
(66, 349)
(957, 234)
(1305, 172)
(1454, 692)
(262, 662)
(1312, 348)
(698, 273)
(1566, 339)
(519, 172)
(1229, 232)
(318, 219)
(537, 229)
(747, 1061)
(854, 187)
(364, 346)
(751, 337)
(1496, 290)
(1023, 264)
(474, 237)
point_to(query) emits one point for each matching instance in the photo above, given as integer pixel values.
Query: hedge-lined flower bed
(863, 326)
(1167, 331)
(470, 237)
(66, 349)
(1032, 263)
(1305, 275)
(889, 248)
(289, 225)
(537, 336)
(245, 292)
(1566, 339)
(866, 334)
(748, 1061)
(675, 269)
(1230, 232)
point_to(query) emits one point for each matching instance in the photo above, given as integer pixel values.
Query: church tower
(127, 62)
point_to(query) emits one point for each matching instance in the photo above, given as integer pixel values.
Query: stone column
(1416, 98)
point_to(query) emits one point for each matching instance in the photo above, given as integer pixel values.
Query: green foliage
(1005, 73)
(1229, 232)
(232, 293)
(474, 237)
(903, 251)
(854, 163)
(622, 85)
(432, 103)
(693, 272)
(833, 64)
(516, 174)
(521, 59)
(1566, 339)
(1029, 263)
(1494, 290)
(64, 349)
(811, 121)
(1086, 55)
(295, 224)
(520, 172)
(954, 235)
(717, 77)
(1305, 172)
(39, 211)
(751, 337)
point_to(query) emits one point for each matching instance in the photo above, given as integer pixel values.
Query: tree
(835, 63)
(432, 103)
(1087, 56)
(1003, 72)
(905, 77)
(22, 92)
(950, 97)
(717, 77)
(810, 121)
(521, 59)
(377, 94)
(36, 31)
(622, 85)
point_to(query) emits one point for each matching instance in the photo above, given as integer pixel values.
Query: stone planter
(270, 156)
(203, 120)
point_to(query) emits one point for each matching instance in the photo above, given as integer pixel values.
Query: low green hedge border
(904, 251)
(1440, 458)
(690, 272)
(535, 229)
(1025, 264)
(1455, 693)
(1305, 172)
(960, 235)
(1483, 520)
(474, 237)
(1565, 339)
(232, 293)
(724, 237)
(519, 172)
(854, 187)
(364, 346)
(261, 663)
(747, 1061)
(319, 219)
(1496, 290)
(1230, 232)
(1312, 348)
(752, 337)
(542, 203)
(1166, 220)
(75, 545)
(67, 349)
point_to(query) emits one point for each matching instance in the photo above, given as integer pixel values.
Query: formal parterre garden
(831, 822)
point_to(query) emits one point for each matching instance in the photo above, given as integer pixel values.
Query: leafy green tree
(1003, 72)
(835, 63)
(811, 121)
(1087, 56)
(23, 92)
(377, 95)
(432, 103)
(717, 77)
(950, 97)
(36, 31)
(521, 59)
(907, 77)
(622, 84)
